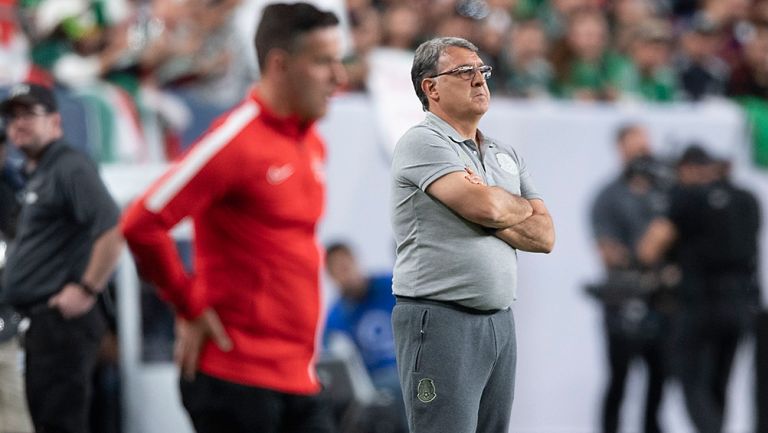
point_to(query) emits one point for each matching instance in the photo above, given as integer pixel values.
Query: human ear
(429, 87)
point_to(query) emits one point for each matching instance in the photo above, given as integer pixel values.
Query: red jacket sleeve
(203, 175)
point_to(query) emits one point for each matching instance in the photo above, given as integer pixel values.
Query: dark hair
(337, 247)
(425, 61)
(283, 24)
(695, 154)
(2, 136)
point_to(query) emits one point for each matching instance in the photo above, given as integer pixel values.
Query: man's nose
(339, 74)
(478, 79)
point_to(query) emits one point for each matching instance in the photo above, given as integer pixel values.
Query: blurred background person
(625, 15)
(702, 73)
(456, 25)
(730, 16)
(646, 73)
(634, 320)
(14, 416)
(491, 36)
(583, 62)
(248, 316)
(400, 27)
(66, 247)
(556, 15)
(750, 76)
(525, 70)
(366, 32)
(15, 63)
(363, 314)
(713, 225)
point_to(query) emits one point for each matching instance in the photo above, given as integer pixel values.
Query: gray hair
(425, 61)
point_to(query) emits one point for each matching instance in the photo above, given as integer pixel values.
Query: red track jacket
(253, 185)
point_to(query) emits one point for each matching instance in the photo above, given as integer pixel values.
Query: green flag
(756, 110)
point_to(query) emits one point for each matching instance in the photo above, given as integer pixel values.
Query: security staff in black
(66, 247)
(714, 226)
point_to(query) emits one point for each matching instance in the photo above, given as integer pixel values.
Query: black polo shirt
(718, 227)
(65, 208)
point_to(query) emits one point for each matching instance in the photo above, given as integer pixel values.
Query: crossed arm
(523, 224)
(535, 234)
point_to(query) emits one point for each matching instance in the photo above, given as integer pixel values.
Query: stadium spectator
(584, 65)
(625, 17)
(647, 72)
(730, 16)
(525, 70)
(556, 15)
(366, 35)
(363, 314)
(455, 25)
(702, 73)
(400, 27)
(750, 77)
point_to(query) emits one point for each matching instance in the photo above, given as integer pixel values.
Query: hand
(472, 177)
(191, 337)
(72, 301)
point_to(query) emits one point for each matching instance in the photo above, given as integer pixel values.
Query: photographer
(630, 296)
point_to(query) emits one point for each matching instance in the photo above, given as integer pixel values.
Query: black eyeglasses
(468, 72)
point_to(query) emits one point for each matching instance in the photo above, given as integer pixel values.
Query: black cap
(695, 155)
(29, 94)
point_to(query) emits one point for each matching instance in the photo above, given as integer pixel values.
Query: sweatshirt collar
(291, 125)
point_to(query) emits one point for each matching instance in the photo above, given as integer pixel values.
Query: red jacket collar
(290, 125)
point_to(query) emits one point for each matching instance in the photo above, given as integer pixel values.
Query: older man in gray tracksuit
(462, 205)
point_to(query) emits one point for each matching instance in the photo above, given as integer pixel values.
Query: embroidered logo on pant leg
(426, 390)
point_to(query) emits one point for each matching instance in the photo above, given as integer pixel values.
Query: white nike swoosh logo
(279, 174)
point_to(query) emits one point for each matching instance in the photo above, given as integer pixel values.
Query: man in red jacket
(253, 186)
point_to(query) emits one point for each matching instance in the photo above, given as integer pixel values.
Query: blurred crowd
(150, 73)
(652, 50)
(137, 69)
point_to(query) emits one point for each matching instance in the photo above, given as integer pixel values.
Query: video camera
(658, 173)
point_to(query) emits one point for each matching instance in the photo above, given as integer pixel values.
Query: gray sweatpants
(457, 369)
